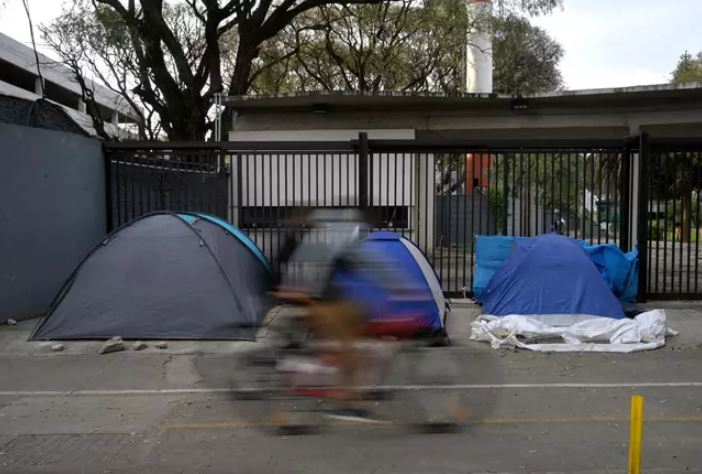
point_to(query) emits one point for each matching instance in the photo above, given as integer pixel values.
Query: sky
(608, 43)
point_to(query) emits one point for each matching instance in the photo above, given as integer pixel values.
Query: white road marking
(195, 391)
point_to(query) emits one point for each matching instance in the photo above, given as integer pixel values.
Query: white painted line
(195, 391)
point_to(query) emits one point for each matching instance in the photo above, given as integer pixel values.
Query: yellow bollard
(636, 434)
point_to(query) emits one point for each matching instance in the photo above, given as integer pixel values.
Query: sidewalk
(173, 410)
(684, 317)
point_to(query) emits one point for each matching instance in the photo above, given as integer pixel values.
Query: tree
(405, 46)
(688, 69)
(175, 60)
(171, 58)
(525, 58)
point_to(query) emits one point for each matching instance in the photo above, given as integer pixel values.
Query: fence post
(363, 184)
(625, 206)
(108, 189)
(642, 227)
(505, 195)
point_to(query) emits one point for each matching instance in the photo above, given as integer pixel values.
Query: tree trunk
(239, 84)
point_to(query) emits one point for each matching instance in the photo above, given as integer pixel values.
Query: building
(605, 115)
(20, 87)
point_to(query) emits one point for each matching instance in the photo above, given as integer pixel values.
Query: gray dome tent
(164, 276)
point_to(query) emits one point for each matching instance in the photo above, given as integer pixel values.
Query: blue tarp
(549, 275)
(620, 270)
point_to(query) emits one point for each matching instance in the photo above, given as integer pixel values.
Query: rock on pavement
(114, 344)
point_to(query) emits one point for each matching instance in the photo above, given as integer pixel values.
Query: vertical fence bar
(519, 178)
(153, 180)
(664, 165)
(679, 192)
(403, 202)
(650, 233)
(617, 197)
(362, 170)
(439, 207)
(411, 204)
(537, 196)
(657, 176)
(688, 227)
(567, 194)
(278, 226)
(560, 193)
(608, 186)
(429, 179)
(396, 183)
(269, 209)
(461, 224)
(576, 200)
(260, 241)
(528, 194)
(552, 197)
(239, 190)
(387, 190)
(697, 218)
(348, 179)
(505, 193)
(514, 194)
(340, 168)
(600, 161)
(592, 211)
(624, 215)
(642, 237)
(471, 235)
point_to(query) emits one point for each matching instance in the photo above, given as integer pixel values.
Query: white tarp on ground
(577, 333)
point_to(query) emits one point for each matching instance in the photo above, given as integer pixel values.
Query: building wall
(598, 122)
(52, 213)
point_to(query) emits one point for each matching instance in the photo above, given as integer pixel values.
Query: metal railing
(439, 195)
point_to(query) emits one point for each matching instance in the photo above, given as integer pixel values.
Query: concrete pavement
(174, 411)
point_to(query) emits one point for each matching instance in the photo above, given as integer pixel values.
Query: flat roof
(660, 93)
(22, 56)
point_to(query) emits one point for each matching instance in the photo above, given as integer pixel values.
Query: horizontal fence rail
(439, 195)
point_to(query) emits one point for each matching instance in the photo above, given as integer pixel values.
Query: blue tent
(618, 269)
(549, 275)
(392, 279)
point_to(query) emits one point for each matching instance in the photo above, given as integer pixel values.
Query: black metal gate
(671, 181)
(579, 189)
(440, 195)
(142, 178)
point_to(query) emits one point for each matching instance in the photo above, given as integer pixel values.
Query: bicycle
(297, 378)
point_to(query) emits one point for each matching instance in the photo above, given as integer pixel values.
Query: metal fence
(577, 189)
(673, 181)
(142, 179)
(440, 195)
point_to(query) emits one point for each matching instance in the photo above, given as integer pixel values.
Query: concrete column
(81, 105)
(114, 118)
(422, 215)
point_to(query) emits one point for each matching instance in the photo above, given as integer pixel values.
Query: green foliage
(406, 46)
(498, 206)
(526, 58)
(688, 69)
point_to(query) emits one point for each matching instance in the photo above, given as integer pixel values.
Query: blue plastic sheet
(620, 270)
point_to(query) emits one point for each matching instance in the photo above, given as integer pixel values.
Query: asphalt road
(176, 411)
